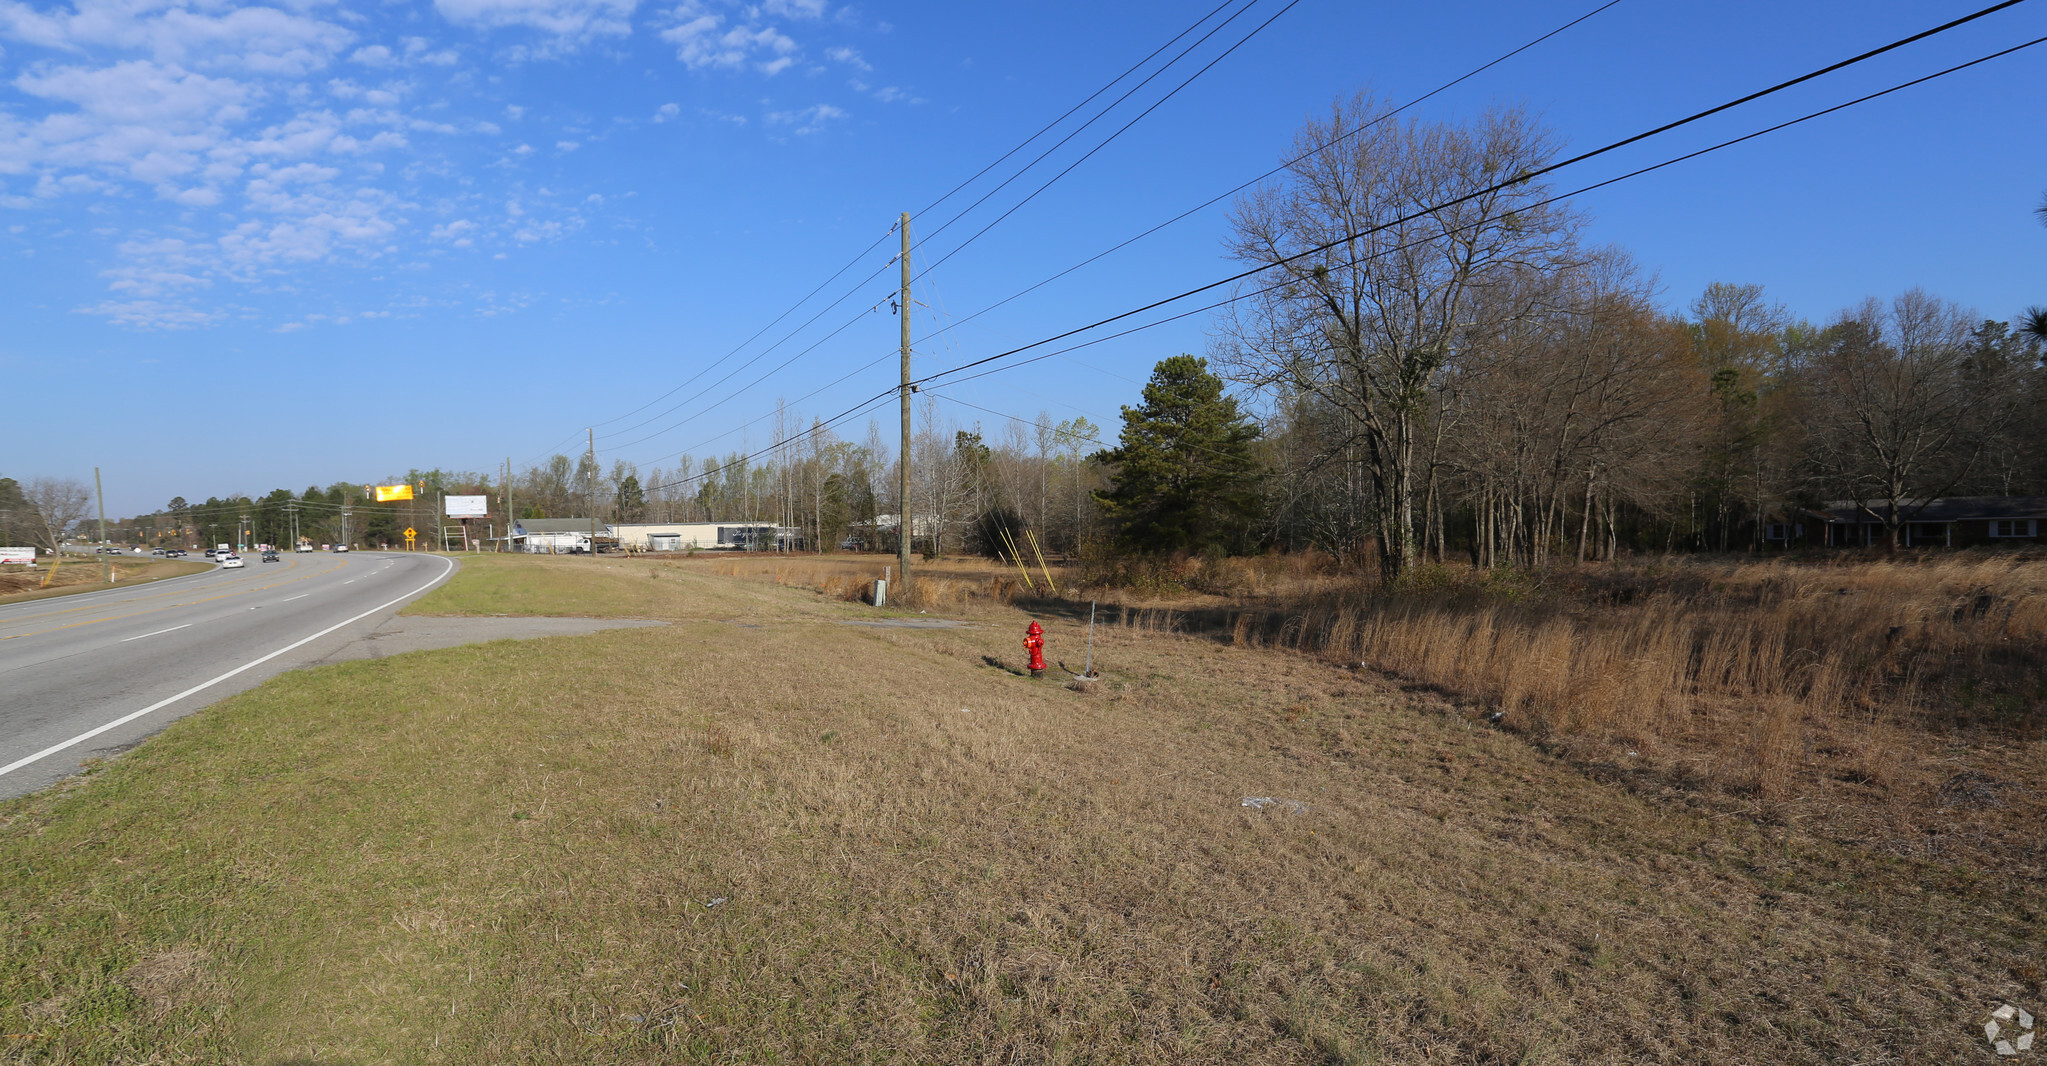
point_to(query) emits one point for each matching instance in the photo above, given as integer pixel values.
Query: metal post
(906, 526)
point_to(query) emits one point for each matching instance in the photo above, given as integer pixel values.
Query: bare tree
(1586, 404)
(57, 503)
(1902, 413)
(1420, 220)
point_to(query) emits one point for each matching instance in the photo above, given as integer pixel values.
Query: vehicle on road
(230, 561)
(159, 551)
(304, 548)
(213, 553)
(270, 557)
(340, 547)
(175, 553)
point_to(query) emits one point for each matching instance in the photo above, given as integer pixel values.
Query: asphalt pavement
(93, 674)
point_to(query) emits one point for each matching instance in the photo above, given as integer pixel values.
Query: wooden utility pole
(106, 565)
(506, 544)
(907, 526)
(593, 492)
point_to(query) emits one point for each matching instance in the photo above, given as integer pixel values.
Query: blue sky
(257, 244)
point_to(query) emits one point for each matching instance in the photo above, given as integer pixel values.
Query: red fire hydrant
(1034, 642)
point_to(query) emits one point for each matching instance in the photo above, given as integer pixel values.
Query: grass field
(82, 574)
(764, 835)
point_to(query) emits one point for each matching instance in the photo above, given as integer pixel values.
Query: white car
(230, 562)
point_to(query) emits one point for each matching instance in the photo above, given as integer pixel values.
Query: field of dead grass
(763, 834)
(82, 574)
(955, 584)
(1897, 699)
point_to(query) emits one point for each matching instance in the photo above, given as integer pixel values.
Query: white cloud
(667, 112)
(421, 50)
(256, 39)
(702, 42)
(849, 56)
(806, 120)
(570, 21)
(152, 314)
(797, 9)
(220, 144)
(139, 91)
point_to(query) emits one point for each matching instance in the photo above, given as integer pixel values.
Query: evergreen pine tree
(1185, 478)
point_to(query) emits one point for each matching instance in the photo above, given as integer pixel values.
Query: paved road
(94, 673)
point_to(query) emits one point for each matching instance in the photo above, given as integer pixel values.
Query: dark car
(270, 557)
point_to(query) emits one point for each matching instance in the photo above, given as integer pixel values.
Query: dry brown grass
(1847, 683)
(761, 835)
(956, 584)
(82, 574)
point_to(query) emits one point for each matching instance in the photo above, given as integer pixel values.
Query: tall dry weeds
(1753, 660)
(1751, 663)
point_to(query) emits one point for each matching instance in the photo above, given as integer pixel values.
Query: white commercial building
(701, 536)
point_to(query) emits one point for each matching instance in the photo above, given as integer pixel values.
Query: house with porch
(1945, 522)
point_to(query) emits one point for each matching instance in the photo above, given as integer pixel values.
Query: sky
(277, 243)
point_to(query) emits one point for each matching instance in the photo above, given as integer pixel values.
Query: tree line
(1435, 364)
(1449, 369)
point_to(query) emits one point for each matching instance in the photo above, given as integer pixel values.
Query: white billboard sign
(468, 506)
(18, 555)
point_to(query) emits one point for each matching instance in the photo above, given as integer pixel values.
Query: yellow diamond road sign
(410, 532)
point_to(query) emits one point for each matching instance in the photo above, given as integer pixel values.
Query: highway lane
(73, 668)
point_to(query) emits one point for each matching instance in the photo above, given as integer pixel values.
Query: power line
(1325, 146)
(969, 208)
(1098, 147)
(1103, 113)
(1018, 206)
(757, 334)
(1047, 127)
(886, 394)
(1581, 190)
(1561, 196)
(1516, 180)
(1519, 179)
(757, 421)
(1111, 83)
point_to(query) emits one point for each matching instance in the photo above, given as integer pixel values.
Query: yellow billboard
(387, 493)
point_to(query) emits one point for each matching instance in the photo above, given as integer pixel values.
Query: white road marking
(158, 633)
(300, 596)
(204, 685)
